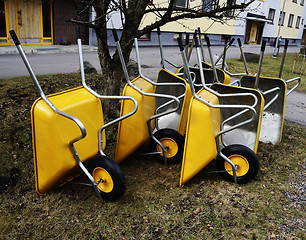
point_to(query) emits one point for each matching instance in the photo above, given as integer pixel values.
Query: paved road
(12, 66)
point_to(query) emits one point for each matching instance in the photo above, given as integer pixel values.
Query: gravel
(296, 200)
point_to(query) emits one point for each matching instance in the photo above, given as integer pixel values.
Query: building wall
(207, 25)
(65, 32)
(233, 27)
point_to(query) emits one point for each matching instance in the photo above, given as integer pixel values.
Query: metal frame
(172, 99)
(245, 108)
(73, 118)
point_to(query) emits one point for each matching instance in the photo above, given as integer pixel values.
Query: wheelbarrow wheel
(173, 142)
(109, 175)
(241, 156)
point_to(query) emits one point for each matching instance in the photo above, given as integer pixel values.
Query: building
(269, 19)
(38, 22)
(263, 19)
(45, 22)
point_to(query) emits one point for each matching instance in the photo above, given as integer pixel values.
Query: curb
(38, 49)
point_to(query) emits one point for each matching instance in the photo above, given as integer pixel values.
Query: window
(2, 20)
(46, 13)
(145, 37)
(298, 20)
(302, 2)
(281, 19)
(295, 1)
(271, 15)
(209, 5)
(182, 3)
(290, 21)
(230, 13)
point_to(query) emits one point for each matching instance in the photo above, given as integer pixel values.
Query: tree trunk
(113, 78)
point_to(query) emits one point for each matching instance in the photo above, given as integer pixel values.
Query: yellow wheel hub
(170, 145)
(241, 162)
(105, 180)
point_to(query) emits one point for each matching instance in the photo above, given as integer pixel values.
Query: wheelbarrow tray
(133, 131)
(208, 76)
(273, 116)
(53, 160)
(177, 120)
(248, 134)
(203, 125)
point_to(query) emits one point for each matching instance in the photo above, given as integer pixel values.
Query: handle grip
(263, 45)
(187, 39)
(115, 35)
(231, 42)
(226, 40)
(286, 43)
(134, 32)
(196, 42)
(199, 31)
(207, 41)
(14, 37)
(195, 33)
(180, 43)
(158, 31)
(239, 42)
(78, 32)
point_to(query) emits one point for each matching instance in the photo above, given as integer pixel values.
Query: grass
(153, 206)
(271, 66)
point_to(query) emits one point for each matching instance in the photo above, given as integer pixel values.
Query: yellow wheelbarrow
(205, 128)
(158, 115)
(247, 135)
(274, 91)
(68, 134)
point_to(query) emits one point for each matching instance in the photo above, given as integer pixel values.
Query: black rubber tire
(175, 137)
(247, 154)
(115, 173)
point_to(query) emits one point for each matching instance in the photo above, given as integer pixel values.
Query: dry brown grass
(153, 207)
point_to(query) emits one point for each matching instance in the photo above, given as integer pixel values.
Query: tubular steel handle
(43, 96)
(283, 59)
(263, 47)
(115, 35)
(158, 31)
(14, 37)
(180, 43)
(207, 41)
(78, 32)
(239, 42)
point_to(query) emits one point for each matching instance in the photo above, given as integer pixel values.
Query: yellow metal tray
(133, 131)
(53, 160)
(200, 145)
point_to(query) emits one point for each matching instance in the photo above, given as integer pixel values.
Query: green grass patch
(271, 66)
(153, 206)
